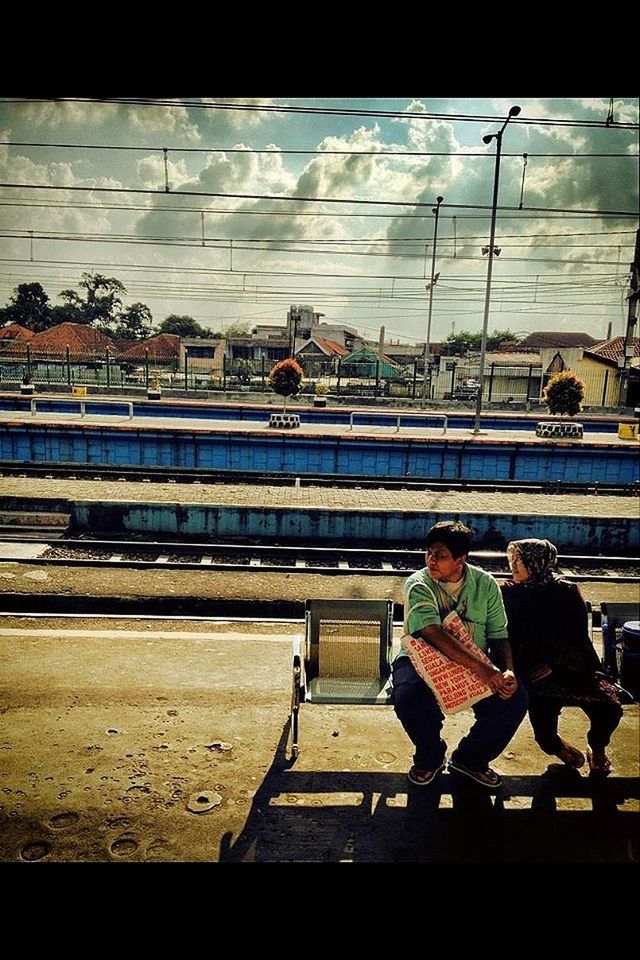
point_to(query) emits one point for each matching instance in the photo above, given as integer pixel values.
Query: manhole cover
(203, 801)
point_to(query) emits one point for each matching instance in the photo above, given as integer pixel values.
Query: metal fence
(452, 378)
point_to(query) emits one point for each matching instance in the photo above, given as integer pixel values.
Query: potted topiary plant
(563, 395)
(321, 390)
(285, 380)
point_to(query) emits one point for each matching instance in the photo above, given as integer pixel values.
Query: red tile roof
(82, 340)
(14, 331)
(612, 349)
(331, 346)
(164, 347)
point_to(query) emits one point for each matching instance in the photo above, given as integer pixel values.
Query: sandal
(570, 756)
(487, 778)
(422, 778)
(601, 766)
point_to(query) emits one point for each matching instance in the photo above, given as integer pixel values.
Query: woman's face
(518, 570)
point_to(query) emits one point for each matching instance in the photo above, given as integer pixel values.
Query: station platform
(114, 729)
(594, 523)
(314, 428)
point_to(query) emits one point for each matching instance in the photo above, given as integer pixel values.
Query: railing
(401, 416)
(83, 410)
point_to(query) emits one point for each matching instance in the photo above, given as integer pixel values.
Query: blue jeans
(417, 709)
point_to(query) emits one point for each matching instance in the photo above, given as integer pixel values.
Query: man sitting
(448, 583)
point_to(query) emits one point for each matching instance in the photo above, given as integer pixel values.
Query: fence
(452, 378)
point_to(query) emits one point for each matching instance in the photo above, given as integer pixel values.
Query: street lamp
(429, 287)
(513, 112)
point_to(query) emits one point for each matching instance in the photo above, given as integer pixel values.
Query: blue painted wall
(348, 527)
(290, 453)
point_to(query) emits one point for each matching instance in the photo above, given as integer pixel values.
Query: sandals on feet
(422, 778)
(570, 756)
(487, 778)
(600, 767)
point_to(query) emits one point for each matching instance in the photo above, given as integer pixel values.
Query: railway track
(331, 561)
(191, 475)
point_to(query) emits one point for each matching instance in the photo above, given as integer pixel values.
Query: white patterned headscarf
(538, 556)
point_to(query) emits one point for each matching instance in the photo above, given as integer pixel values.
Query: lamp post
(429, 287)
(513, 112)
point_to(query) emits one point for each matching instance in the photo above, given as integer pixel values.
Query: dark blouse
(548, 624)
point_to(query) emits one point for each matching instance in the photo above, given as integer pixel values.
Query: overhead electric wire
(292, 199)
(288, 151)
(324, 111)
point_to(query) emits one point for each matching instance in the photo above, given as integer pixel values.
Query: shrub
(564, 394)
(285, 379)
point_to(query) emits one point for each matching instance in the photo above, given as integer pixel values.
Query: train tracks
(173, 475)
(321, 560)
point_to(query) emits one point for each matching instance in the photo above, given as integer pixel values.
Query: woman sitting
(554, 656)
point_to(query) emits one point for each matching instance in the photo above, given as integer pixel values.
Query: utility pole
(513, 112)
(430, 286)
(632, 318)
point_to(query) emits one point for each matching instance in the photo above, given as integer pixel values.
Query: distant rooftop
(557, 338)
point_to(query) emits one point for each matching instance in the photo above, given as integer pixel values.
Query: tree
(134, 323)
(240, 329)
(102, 299)
(285, 379)
(183, 326)
(564, 394)
(29, 306)
(459, 344)
(243, 370)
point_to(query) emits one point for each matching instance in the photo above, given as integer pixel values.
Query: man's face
(442, 564)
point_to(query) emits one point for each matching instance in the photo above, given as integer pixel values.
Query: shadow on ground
(331, 816)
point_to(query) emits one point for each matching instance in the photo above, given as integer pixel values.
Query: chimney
(381, 341)
(609, 330)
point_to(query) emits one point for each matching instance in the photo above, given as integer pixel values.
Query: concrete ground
(152, 740)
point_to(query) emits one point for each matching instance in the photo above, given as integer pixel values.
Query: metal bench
(345, 656)
(614, 616)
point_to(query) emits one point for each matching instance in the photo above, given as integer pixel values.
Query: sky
(328, 203)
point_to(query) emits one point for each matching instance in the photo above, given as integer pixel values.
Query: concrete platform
(111, 729)
(382, 431)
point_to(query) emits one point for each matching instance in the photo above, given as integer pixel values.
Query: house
(14, 337)
(319, 356)
(365, 361)
(202, 355)
(161, 350)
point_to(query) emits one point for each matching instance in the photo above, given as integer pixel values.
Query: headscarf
(539, 557)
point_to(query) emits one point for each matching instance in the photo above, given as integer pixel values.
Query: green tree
(564, 394)
(101, 303)
(29, 306)
(183, 326)
(285, 379)
(240, 329)
(243, 370)
(459, 344)
(133, 323)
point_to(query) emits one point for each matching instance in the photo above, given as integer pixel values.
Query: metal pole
(514, 111)
(427, 343)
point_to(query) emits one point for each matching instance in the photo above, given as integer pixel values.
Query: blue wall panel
(492, 531)
(330, 455)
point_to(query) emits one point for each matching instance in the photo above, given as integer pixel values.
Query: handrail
(400, 416)
(83, 410)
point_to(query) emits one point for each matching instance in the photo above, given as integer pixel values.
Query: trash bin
(629, 649)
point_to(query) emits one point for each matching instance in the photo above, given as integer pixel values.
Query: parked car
(466, 390)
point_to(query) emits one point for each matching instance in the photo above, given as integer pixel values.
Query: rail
(401, 416)
(83, 404)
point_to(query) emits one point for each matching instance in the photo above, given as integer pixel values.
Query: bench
(344, 657)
